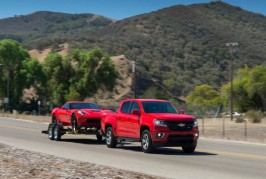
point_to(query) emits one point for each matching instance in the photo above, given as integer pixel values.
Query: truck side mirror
(182, 111)
(135, 112)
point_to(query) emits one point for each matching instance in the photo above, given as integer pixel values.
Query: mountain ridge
(179, 46)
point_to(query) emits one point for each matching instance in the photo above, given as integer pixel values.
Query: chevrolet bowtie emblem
(181, 125)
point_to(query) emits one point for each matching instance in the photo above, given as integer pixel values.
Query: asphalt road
(212, 159)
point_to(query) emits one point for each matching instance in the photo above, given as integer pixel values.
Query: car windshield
(159, 107)
(84, 106)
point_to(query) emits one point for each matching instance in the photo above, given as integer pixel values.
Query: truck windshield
(84, 106)
(159, 107)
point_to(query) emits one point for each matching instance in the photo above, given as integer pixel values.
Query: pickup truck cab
(152, 122)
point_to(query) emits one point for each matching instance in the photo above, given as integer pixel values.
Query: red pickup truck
(152, 122)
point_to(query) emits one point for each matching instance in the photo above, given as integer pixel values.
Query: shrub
(239, 119)
(254, 116)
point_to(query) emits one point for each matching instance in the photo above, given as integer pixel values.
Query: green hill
(42, 29)
(184, 46)
(177, 47)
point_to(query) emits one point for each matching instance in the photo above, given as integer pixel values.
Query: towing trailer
(56, 131)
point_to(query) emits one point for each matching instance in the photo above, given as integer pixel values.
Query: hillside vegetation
(179, 47)
(43, 29)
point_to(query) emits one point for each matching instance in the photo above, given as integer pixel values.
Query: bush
(239, 119)
(254, 116)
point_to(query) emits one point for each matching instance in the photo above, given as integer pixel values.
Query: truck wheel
(57, 134)
(190, 148)
(51, 131)
(110, 138)
(146, 142)
(99, 137)
(74, 124)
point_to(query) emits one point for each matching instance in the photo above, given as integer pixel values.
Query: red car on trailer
(75, 117)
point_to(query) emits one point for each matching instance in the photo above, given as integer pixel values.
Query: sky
(115, 9)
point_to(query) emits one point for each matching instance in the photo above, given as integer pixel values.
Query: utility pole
(134, 76)
(232, 49)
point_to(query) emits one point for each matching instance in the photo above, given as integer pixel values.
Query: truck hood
(171, 117)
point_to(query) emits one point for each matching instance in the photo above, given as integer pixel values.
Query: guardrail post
(203, 126)
(246, 129)
(223, 127)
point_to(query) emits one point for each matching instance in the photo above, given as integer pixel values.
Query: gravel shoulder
(18, 163)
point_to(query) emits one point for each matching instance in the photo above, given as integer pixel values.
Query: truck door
(133, 121)
(122, 122)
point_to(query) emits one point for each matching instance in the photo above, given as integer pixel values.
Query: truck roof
(159, 100)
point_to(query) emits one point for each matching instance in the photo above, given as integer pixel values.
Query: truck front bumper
(169, 138)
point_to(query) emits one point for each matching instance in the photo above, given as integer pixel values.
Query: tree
(32, 73)
(59, 71)
(204, 97)
(12, 55)
(256, 86)
(106, 73)
(249, 89)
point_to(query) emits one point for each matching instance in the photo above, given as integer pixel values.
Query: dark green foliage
(107, 74)
(79, 75)
(36, 29)
(249, 89)
(23, 71)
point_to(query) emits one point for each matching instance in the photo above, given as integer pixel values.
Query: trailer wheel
(99, 137)
(51, 131)
(74, 124)
(57, 133)
(110, 138)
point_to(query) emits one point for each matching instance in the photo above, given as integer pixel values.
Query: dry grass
(26, 117)
(224, 128)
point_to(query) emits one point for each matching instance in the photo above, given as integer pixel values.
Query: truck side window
(125, 107)
(134, 106)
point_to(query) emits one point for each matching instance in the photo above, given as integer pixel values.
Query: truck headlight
(195, 124)
(160, 123)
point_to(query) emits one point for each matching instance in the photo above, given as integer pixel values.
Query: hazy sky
(116, 9)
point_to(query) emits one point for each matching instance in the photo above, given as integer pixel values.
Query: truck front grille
(180, 125)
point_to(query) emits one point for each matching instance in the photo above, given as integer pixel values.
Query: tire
(51, 131)
(190, 148)
(57, 133)
(146, 142)
(74, 124)
(110, 138)
(99, 137)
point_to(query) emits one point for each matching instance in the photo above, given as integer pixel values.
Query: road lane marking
(35, 130)
(233, 154)
(20, 128)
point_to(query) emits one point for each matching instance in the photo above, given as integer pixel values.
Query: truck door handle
(128, 118)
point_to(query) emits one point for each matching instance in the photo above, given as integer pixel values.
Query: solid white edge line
(24, 120)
